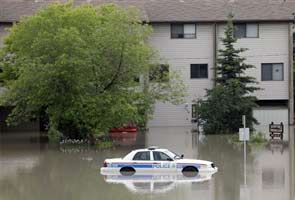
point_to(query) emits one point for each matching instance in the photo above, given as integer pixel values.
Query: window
(272, 72)
(187, 31)
(159, 73)
(199, 70)
(246, 30)
(160, 156)
(143, 155)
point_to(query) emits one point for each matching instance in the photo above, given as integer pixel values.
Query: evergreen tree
(231, 65)
(222, 109)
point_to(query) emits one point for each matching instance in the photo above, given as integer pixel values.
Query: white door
(163, 163)
(142, 162)
(267, 115)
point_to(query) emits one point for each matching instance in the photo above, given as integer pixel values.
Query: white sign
(244, 136)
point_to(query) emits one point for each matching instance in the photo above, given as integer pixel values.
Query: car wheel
(190, 171)
(127, 171)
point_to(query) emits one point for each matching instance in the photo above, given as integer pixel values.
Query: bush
(54, 135)
(257, 137)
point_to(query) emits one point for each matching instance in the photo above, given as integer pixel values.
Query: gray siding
(180, 53)
(270, 47)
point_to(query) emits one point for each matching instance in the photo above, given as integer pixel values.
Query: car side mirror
(181, 156)
(169, 159)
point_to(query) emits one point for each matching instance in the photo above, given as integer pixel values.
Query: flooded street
(32, 170)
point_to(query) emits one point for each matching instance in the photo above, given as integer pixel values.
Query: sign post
(244, 135)
(245, 159)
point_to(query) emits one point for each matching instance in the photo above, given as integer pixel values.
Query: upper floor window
(142, 155)
(246, 30)
(272, 72)
(187, 31)
(199, 70)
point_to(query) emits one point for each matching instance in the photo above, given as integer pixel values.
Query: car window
(160, 156)
(172, 154)
(143, 155)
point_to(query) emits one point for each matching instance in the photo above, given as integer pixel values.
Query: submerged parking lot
(30, 169)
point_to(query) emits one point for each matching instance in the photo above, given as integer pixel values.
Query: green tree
(80, 66)
(231, 65)
(222, 109)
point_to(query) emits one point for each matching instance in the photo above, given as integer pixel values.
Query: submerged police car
(155, 160)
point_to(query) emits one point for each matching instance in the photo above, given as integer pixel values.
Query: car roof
(151, 149)
(130, 155)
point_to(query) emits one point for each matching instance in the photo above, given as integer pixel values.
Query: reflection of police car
(155, 160)
(155, 183)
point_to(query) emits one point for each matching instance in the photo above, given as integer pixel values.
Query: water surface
(30, 170)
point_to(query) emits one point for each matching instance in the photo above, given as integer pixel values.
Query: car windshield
(171, 154)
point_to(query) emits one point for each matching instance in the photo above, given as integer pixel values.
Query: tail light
(105, 164)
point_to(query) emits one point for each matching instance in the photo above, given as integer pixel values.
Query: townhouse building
(187, 34)
(194, 55)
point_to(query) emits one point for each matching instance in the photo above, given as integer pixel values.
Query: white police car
(155, 160)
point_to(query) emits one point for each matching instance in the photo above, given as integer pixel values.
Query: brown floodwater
(34, 170)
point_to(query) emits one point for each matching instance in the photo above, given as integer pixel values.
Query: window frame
(199, 64)
(142, 152)
(246, 23)
(161, 160)
(171, 34)
(272, 70)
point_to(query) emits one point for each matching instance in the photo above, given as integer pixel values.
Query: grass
(256, 139)
(104, 144)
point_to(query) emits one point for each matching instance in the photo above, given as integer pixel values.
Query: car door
(142, 161)
(162, 162)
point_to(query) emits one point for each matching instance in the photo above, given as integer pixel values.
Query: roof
(151, 148)
(172, 10)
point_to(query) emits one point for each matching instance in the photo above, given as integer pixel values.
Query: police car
(155, 160)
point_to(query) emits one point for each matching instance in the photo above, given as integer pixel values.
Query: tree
(80, 66)
(222, 109)
(231, 65)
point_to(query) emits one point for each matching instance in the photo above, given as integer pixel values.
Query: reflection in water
(264, 164)
(10, 166)
(33, 171)
(155, 183)
(273, 178)
(277, 146)
(123, 138)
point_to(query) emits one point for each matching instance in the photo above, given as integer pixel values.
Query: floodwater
(32, 170)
